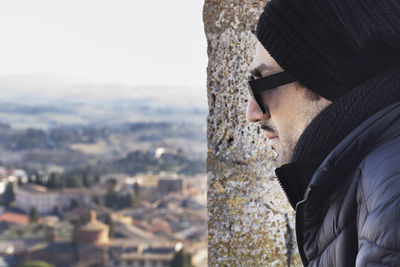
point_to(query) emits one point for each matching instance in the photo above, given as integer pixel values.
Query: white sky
(158, 42)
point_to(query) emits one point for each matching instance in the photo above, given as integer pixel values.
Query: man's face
(289, 110)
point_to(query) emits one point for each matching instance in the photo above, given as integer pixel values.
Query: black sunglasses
(256, 86)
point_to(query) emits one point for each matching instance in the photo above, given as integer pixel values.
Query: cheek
(285, 116)
(271, 99)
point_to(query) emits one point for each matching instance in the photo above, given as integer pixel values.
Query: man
(325, 89)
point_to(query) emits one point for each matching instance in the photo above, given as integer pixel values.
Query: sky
(131, 42)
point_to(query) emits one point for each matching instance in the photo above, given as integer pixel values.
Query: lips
(273, 139)
(270, 136)
(274, 142)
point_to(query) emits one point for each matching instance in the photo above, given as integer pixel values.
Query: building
(171, 185)
(11, 176)
(30, 195)
(89, 246)
(144, 181)
(94, 232)
(92, 240)
(127, 252)
(46, 201)
(67, 195)
(14, 218)
(59, 253)
(3, 184)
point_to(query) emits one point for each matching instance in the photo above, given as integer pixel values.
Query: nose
(254, 113)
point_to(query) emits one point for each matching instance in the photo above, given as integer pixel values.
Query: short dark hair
(308, 94)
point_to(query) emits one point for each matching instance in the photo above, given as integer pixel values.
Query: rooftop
(15, 218)
(94, 226)
(33, 188)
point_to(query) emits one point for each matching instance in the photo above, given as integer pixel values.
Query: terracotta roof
(94, 226)
(16, 218)
(162, 226)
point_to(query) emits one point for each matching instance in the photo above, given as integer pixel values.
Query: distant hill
(42, 88)
(45, 101)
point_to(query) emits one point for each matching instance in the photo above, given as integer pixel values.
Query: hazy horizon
(44, 87)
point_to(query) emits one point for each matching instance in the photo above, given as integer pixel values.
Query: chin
(284, 156)
(280, 162)
(285, 148)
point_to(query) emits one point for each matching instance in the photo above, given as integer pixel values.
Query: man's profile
(325, 90)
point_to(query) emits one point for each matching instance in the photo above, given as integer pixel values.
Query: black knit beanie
(331, 46)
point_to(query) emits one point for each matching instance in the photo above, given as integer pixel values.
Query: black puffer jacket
(358, 223)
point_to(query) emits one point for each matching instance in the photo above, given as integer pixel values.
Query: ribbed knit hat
(330, 46)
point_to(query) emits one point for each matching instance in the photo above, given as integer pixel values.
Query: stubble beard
(285, 150)
(286, 144)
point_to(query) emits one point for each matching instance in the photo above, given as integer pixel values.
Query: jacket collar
(295, 177)
(326, 139)
(372, 133)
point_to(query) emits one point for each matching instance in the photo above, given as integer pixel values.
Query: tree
(73, 181)
(55, 210)
(124, 201)
(136, 189)
(55, 181)
(181, 259)
(84, 219)
(96, 200)
(87, 181)
(131, 199)
(128, 203)
(74, 204)
(19, 232)
(111, 197)
(109, 221)
(39, 179)
(33, 215)
(97, 178)
(9, 194)
(112, 182)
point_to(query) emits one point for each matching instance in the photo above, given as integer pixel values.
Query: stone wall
(250, 222)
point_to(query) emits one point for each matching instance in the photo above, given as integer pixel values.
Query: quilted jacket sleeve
(378, 219)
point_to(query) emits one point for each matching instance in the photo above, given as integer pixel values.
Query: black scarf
(332, 125)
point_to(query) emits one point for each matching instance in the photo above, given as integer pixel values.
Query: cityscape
(117, 221)
(95, 194)
(103, 138)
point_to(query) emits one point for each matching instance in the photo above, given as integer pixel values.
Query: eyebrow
(256, 72)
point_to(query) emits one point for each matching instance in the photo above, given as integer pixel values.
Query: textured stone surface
(250, 221)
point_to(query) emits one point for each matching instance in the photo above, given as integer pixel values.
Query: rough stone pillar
(250, 222)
